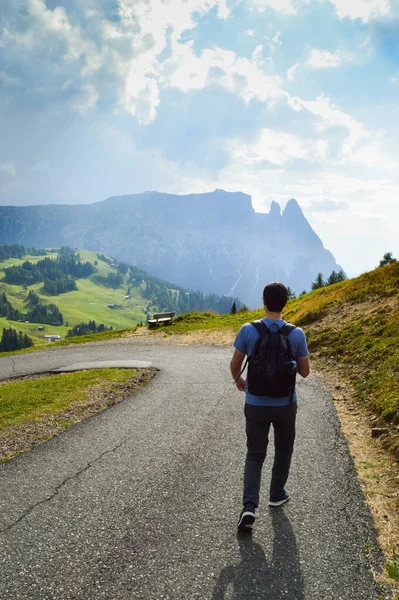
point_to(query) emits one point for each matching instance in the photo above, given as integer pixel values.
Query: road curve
(141, 501)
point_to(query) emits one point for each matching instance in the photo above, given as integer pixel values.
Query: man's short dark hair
(275, 296)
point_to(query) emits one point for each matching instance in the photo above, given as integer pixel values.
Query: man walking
(271, 401)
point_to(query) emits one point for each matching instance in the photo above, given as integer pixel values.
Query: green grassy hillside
(94, 294)
(89, 302)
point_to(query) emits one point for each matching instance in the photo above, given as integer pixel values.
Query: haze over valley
(213, 242)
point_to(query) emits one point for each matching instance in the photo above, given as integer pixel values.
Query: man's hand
(240, 384)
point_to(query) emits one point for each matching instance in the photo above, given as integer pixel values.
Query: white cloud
(373, 156)
(276, 148)
(274, 42)
(291, 72)
(47, 31)
(224, 68)
(141, 96)
(123, 55)
(328, 116)
(87, 99)
(326, 205)
(257, 56)
(361, 9)
(286, 6)
(323, 59)
(353, 9)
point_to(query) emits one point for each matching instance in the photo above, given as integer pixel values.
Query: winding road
(141, 501)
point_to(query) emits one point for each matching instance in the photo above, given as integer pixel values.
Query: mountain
(214, 242)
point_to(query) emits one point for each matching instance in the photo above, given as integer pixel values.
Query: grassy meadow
(89, 302)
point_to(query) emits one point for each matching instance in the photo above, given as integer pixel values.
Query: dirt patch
(21, 438)
(203, 337)
(377, 471)
(207, 337)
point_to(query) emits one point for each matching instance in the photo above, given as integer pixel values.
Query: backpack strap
(260, 327)
(263, 330)
(287, 328)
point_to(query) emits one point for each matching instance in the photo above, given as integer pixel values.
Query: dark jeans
(258, 421)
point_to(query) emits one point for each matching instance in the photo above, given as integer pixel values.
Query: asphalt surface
(141, 501)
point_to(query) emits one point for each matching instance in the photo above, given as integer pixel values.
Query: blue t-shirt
(245, 342)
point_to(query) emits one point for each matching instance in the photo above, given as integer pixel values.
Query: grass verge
(392, 568)
(34, 409)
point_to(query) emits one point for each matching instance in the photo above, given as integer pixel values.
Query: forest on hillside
(163, 295)
(60, 274)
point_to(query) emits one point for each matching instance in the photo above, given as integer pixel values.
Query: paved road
(141, 501)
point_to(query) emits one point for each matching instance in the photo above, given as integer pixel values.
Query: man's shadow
(256, 577)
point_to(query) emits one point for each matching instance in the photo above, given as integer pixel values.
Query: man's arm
(235, 368)
(303, 366)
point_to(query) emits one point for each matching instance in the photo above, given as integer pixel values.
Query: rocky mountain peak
(275, 210)
(292, 209)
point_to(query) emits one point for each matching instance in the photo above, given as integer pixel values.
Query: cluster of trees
(106, 259)
(114, 280)
(8, 311)
(42, 313)
(335, 277)
(182, 301)
(13, 340)
(58, 275)
(60, 284)
(234, 310)
(86, 328)
(37, 313)
(18, 251)
(46, 313)
(387, 259)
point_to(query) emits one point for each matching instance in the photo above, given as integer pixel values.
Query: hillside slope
(354, 326)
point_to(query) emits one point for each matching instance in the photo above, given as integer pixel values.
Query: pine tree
(332, 278)
(319, 282)
(11, 340)
(233, 310)
(387, 259)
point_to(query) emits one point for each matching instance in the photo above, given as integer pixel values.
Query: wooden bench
(165, 318)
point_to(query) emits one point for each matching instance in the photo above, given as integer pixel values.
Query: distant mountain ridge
(214, 242)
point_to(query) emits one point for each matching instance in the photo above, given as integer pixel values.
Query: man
(263, 411)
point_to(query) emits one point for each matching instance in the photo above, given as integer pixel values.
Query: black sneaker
(247, 518)
(279, 501)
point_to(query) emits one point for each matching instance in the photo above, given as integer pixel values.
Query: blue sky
(274, 98)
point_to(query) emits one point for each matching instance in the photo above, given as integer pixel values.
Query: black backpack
(271, 367)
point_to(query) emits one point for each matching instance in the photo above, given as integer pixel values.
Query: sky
(273, 98)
